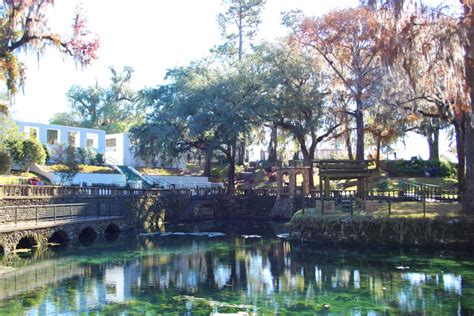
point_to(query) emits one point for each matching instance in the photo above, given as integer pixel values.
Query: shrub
(99, 158)
(418, 167)
(5, 162)
(33, 152)
(47, 152)
(15, 149)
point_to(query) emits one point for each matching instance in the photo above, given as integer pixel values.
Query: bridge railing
(56, 212)
(96, 191)
(70, 191)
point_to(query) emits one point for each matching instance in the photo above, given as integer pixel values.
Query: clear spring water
(201, 275)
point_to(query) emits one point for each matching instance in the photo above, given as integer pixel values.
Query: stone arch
(111, 232)
(26, 242)
(87, 236)
(58, 238)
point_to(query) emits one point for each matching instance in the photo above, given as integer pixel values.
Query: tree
(347, 41)
(292, 99)
(69, 160)
(24, 26)
(32, 152)
(203, 108)
(239, 26)
(5, 162)
(462, 98)
(113, 109)
(65, 118)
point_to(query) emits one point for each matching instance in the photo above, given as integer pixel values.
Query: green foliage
(112, 109)
(204, 108)
(99, 159)
(47, 153)
(71, 166)
(86, 155)
(418, 167)
(239, 26)
(15, 148)
(5, 162)
(32, 152)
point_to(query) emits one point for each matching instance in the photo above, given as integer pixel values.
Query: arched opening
(285, 181)
(299, 183)
(87, 236)
(299, 179)
(25, 244)
(112, 232)
(59, 239)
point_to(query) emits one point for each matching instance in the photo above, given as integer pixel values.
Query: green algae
(199, 276)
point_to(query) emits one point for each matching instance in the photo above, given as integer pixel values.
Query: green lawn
(398, 209)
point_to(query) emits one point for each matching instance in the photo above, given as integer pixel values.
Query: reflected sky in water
(200, 275)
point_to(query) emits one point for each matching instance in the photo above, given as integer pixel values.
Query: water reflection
(269, 274)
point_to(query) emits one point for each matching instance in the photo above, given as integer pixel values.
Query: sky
(151, 36)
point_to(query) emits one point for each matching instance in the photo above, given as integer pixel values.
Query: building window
(73, 139)
(92, 140)
(52, 136)
(32, 132)
(111, 142)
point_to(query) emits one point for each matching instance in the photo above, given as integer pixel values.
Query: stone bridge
(25, 227)
(60, 233)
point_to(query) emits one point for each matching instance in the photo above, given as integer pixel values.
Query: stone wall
(150, 212)
(384, 232)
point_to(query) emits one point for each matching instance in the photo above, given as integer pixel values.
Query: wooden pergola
(334, 169)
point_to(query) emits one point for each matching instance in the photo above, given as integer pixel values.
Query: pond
(225, 272)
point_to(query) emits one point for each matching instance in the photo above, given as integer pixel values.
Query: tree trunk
(241, 153)
(468, 200)
(231, 173)
(307, 161)
(377, 156)
(272, 145)
(348, 141)
(208, 163)
(432, 135)
(359, 115)
(461, 167)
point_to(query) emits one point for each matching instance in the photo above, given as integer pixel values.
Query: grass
(84, 169)
(394, 183)
(161, 171)
(398, 210)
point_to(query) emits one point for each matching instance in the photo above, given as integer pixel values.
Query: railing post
(16, 216)
(322, 204)
(424, 203)
(36, 214)
(54, 213)
(389, 207)
(70, 211)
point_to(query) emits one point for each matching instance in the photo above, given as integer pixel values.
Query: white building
(119, 151)
(52, 135)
